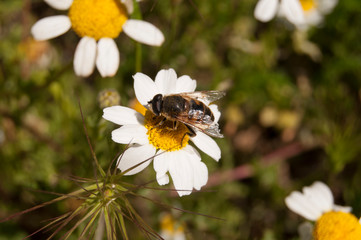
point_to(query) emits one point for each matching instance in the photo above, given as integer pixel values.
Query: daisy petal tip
(182, 193)
(59, 4)
(143, 32)
(163, 180)
(84, 57)
(50, 27)
(107, 60)
(265, 10)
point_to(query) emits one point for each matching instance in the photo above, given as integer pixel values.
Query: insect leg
(160, 122)
(190, 133)
(175, 125)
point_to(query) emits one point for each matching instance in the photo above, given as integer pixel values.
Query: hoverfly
(190, 109)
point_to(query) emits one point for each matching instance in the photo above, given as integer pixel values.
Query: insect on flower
(188, 108)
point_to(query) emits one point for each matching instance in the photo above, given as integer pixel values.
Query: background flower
(97, 23)
(302, 13)
(333, 222)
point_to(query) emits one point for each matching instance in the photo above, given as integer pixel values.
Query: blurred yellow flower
(333, 222)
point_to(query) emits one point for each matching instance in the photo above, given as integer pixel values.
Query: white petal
(200, 174)
(162, 179)
(135, 155)
(326, 6)
(193, 152)
(108, 57)
(144, 88)
(215, 111)
(293, 11)
(339, 208)
(143, 32)
(161, 163)
(266, 10)
(166, 81)
(130, 134)
(320, 195)
(122, 115)
(59, 4)
(129, 5)
(313, 18)
(185, 84)
(84, 57)
(299, 204)
(50, 27)
(207, 145)
(181, 171)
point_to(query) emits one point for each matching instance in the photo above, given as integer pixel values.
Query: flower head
(168, 146)
(98, 23)
(333, 222)
(301, 13)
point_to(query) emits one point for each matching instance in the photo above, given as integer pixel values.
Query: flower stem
(138, 46)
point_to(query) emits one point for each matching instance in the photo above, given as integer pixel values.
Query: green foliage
(315, 133)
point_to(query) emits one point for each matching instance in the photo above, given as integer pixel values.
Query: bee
(190, 109)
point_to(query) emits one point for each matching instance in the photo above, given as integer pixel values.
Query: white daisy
(316, 203)
(301, 13)
(97, 23)
(174, 154)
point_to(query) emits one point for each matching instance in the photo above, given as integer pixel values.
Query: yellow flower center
(98, 18)
(163, 136)
(169, 225)
(308, 5)
(337, 226)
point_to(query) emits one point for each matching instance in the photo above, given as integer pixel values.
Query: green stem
(123, 227)
(138, 57)
(138, 46)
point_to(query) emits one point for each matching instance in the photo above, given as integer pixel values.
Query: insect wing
(211, 129)
(204, 96)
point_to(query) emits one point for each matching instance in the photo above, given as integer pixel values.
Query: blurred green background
(291, 115)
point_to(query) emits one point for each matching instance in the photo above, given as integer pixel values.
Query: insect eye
(157, 104)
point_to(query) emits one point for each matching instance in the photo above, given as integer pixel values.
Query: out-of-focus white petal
(299, 204)
(200, 174)
(319, 195)
(144, 88)
(339, 208)
(292, 9)
(181, 171)
(185, 84)
(162, 179)
(143, 32)
(129, 5)
(313, 18)
(266, 10)
(50, 27)
(135, 155)
(108, 57)
(166, 81)
(122, 115)
(207, 145)
(326, 6)
(130, 134)
(84, 57)
(215, 111)
(59, 4)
